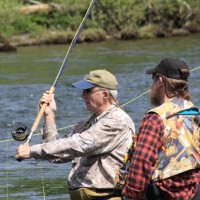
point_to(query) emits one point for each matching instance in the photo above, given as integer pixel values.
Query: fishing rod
(21, 132)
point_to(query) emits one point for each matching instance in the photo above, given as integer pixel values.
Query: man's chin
(88, 107)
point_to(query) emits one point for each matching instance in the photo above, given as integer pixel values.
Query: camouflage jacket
(95, 146)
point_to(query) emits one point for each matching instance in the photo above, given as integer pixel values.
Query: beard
(155, 97)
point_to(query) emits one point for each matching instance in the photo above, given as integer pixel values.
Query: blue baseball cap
(83, 85)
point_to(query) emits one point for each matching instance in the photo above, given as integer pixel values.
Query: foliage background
(121, 19)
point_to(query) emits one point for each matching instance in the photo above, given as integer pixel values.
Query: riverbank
(109, 20)
(61, 37)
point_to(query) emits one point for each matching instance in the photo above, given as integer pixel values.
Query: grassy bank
(118, 19)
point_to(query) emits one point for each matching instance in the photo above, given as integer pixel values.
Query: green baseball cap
(101, 78)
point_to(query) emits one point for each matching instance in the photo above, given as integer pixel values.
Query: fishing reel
(20, 132)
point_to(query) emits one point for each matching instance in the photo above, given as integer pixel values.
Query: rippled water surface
(27, 73)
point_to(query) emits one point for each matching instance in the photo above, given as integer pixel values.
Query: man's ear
(106, 93)
(160, 81)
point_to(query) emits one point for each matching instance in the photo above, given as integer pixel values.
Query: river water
(27, 73)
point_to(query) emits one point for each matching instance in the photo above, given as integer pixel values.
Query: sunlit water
(27, 73)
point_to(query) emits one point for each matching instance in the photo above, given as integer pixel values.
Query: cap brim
(83, 85)
(151, 71)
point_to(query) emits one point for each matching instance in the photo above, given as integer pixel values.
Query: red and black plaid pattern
(179, 187)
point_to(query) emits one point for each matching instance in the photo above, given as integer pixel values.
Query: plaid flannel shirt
(180, 187)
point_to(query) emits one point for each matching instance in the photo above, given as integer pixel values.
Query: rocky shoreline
(55, 38)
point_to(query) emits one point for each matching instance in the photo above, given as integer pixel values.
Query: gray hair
(114, 94)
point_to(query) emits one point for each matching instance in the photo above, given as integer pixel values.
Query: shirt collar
(104, 113)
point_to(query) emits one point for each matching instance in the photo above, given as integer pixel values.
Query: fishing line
(195, 69)
(36, 134)
(128, 102)
(42, 176)
(149, 91)
(135, 98)
(7, 190)
(42, 179)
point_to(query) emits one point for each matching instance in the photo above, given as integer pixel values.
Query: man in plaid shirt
(162, 167)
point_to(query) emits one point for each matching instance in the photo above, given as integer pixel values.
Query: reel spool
(20, 132)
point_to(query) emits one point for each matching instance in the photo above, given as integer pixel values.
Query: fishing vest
(121, 175)
(180, 151)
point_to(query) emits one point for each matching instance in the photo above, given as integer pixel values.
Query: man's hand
(49, 100)
(23, 151)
